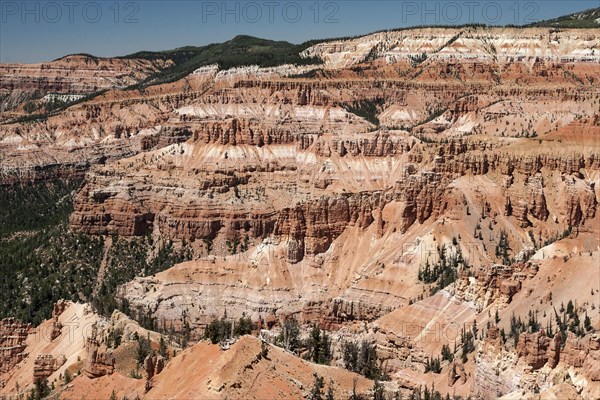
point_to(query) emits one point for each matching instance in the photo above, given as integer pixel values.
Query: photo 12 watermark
(469, 12)
(407, 13)
(54, 12)
(271, 12)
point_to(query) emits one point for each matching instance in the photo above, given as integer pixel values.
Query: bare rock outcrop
(497, 283)
(537, 349)
(73, 75)
(13, 334)
(153, 366)
(580, 201)
(45, 365)
(583, 353)
(57, 310)
(456, 372)
(100, 360)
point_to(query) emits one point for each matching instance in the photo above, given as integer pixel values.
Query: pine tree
(587, 323)
(143, 349)
(319, 346)
(446, 353)
(329, 395)
(354, 395)
(325, 349)
(264, 350)
(290, 334)
(244, 326)
(314, 343)
(377, 390)
(361, 359)
(162, 348)
(549, 329)
(570, 308)
(467, 344)
(218, 330)
(433, 365)
(533, 323)
(68, 377)
(350, 356)
(316, 392)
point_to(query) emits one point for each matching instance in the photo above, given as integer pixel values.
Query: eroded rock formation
(323, 192)
(537, 349)
(45, 365)
(100, 360)
(13, 335)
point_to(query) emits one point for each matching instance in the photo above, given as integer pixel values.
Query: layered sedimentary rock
(13, 335)
(324, 193)
(72, 77)
(42, 354)
(493, 284)
(45, 365)
(293, 165)
(510, 375)
(153, 366)
(100, 360)
(469, 45)
(583, 353)
(57, 309)
(537, 349)
(403, 98)
(456, 372)
(492, 377)
(580, 200)
(77, 74)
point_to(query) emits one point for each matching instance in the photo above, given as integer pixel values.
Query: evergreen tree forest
(42, 261)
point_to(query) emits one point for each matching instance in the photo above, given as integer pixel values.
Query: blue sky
(32, 31)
